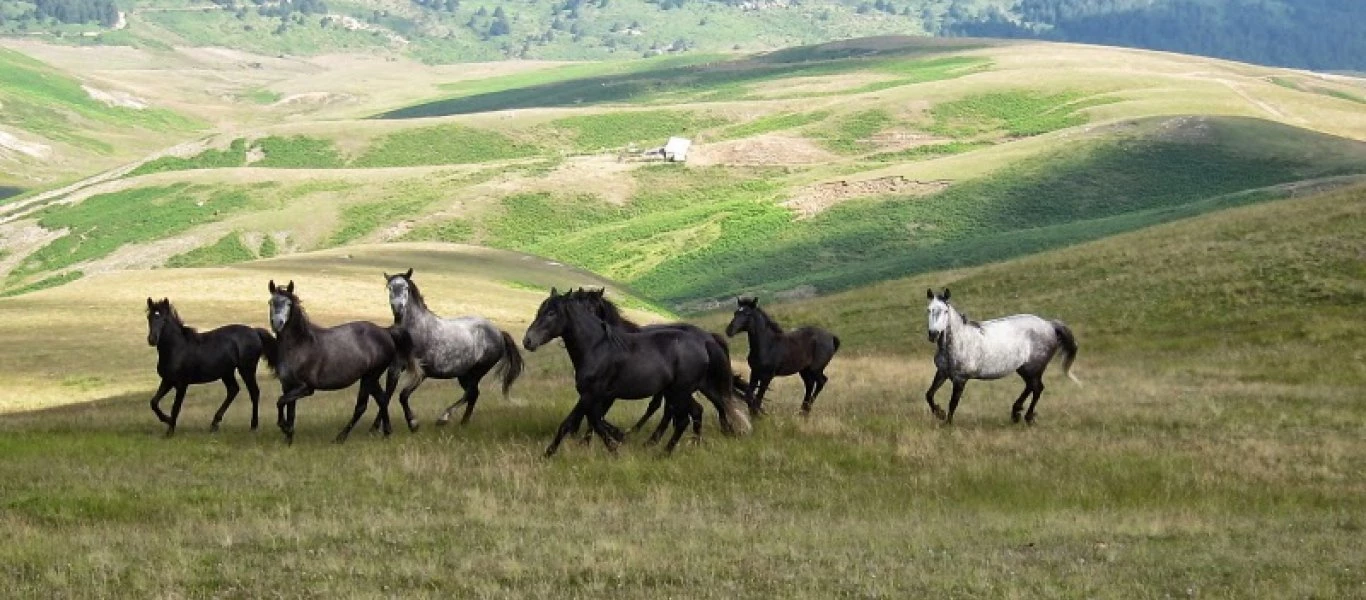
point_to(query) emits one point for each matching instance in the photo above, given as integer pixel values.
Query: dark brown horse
(331, 358)
(186, 357)
(777, 353)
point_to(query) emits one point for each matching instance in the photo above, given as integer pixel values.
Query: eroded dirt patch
(815, 199)
(760, 150)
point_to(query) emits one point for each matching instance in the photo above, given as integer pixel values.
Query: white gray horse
(461, 348)
(1023, 344)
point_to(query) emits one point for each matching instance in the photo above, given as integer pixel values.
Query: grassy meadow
(1213, 451)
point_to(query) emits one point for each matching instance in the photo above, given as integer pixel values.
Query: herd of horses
(613, 359)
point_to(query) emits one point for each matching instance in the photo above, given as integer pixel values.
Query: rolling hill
(817, 169)
(1316, 34)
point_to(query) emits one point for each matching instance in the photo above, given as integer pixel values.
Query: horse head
(745, 309)
(937, 313)
(282, 304)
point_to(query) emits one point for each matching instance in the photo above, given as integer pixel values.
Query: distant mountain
(1316, 34)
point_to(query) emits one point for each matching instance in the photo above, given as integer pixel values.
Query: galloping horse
(186, 357)
(609, 364)
(608, 312)
(330, 358)
(462, 348)
(1023, 344)
(776, 353)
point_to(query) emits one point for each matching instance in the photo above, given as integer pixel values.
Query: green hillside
(817, 169)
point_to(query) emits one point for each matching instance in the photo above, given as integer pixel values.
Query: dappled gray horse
(1022, 344)
(462, 348)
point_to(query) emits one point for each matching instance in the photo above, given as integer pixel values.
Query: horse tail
(836, 340)
(1069, 349)
(404, 356)
(720, 339)
(720, 378)
(270, 349)
(511, 365)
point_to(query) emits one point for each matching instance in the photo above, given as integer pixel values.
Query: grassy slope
(47, 107)
(1206, 455)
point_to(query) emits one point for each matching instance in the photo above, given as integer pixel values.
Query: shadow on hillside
(825, 59)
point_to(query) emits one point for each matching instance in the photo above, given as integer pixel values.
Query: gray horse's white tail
(1069, 349)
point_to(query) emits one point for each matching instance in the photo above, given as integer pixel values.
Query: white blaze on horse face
(279, 312)
(938, 317)
(398, 295)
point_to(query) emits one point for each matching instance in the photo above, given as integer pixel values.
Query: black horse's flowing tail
(270, 349)
(720, 378)
(404, 357)
(1069, 349)
(511, 365)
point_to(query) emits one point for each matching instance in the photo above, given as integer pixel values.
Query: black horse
(330, 358)
(775, 353)
(186, 357)
(609, 364)
(608, 312)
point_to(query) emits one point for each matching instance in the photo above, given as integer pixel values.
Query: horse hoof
(1029, 419)
(1015, 417)
(443, 421)
(412, 426)
(169, 433)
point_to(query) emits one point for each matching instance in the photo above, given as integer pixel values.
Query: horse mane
(295, 305)
(577, 300)
(772, 324)
(166, 306)
(610, 312)
(415, 293)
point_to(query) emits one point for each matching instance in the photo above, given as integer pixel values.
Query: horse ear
(271, 286)
(149, 302)
(554, 292)
(409, 274)
(387, 276)
(946, 294)
(929, 294)
(290, 288)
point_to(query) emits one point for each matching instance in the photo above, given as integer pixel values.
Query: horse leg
(382, 398)
(231, 383)
(249, 379)
(566, 426)
(596, 410)
(696, 420)
(820, 385)
(471, 386)
(362, 400)
(1019, 402)
(403, 396)
(758, 407)
(1038, 391)
(162, 390)
(939, 378)
(680, 409)
(809, 382)
(750, 389)
(958, 386)
(649, 412)
(391, 376)
(286, 408)
(175, 408)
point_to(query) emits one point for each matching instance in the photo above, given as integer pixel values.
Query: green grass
(45, 102)
(298, 152)
(1341, 95)
(1205, 456)
(849, 135)
(234, 156)
(772, 123)
(442, 145)
(449, 230)
(1016, 113)
(926, 151)
(592, 133)
(268, 248)
(103, 223)
(227, 250)
(262, 96)
(43, 284)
